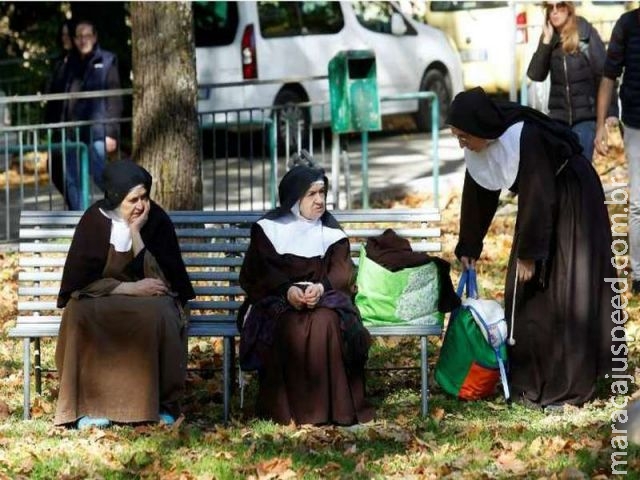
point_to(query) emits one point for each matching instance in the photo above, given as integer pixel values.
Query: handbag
(473, 356)
(404, 297)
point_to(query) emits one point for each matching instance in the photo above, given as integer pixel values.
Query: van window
(456, 6)
(286, 19)
(215, 23)
(376, 16)
(604, 3)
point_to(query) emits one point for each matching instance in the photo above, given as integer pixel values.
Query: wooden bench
(213, 244)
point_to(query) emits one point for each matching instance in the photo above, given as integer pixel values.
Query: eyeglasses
(550, 7)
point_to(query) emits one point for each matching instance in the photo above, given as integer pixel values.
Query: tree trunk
(165, 120)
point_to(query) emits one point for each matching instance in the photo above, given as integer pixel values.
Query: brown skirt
(120, 357)
(305, 379)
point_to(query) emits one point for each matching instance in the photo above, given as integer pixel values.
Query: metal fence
(243, 153)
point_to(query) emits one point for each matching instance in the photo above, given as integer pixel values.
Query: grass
(485, 440)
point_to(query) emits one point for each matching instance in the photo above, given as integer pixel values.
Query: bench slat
(214, 276)
(38, 291)
(40, 261)
(36, 276)
(203, 291)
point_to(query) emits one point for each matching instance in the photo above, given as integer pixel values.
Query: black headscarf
(475, 113)
(119, 177)
(295, 184)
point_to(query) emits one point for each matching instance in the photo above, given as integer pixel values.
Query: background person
(561, 244)
(91, 68)
(623, 56)
(120, 353)
(54, 109)
(302, 331)
(571, 52)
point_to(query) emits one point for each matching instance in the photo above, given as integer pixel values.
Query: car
(270, 54)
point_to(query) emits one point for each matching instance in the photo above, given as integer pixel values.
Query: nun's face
(134, 204)
(466, 140)
(312, 204)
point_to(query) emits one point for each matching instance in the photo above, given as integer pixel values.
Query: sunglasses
(556, 6)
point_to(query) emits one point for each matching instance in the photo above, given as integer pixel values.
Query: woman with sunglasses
(572, 53)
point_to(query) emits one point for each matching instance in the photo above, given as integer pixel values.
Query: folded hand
(312, 294)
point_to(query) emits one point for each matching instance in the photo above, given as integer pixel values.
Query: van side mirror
(398, 27)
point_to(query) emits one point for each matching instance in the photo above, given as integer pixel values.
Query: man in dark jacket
(90, 68)
(623, 55)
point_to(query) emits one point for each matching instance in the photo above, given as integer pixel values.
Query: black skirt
(563, 315)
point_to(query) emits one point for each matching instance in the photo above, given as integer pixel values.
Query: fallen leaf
(273, 468)
(438, 414)
(572, 474)
(4, 410)
(508, 461)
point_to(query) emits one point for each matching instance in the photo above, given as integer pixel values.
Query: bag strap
(496, 351)
(468, 283)
(472, 286)
(462, 283)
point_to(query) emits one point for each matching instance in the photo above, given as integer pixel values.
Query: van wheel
(291, 117)
(437, 82)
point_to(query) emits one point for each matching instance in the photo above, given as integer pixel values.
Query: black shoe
(525, 402)
(635, 287)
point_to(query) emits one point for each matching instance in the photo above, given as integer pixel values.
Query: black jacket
(98, 71)
(575, 78)
(624, 54)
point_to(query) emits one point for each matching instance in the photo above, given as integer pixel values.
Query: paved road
(401, 162)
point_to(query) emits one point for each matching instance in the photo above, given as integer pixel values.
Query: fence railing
(243, 153)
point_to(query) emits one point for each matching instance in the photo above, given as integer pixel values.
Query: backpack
(473, 356)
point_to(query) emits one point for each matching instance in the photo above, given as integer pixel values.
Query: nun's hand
(295, 296)
(468, 263)
(526, 269)
(312, 294)
(138, 221)
(147, 287)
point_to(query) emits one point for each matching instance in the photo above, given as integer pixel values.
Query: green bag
(473, 354)
(405, 297)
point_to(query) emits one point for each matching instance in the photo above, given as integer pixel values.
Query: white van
(277, 53)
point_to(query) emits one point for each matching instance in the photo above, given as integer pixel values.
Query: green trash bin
(353, 91)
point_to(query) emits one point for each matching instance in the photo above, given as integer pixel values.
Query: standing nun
(561, 253)
(301, 329)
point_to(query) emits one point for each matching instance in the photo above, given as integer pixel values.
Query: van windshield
(457, 6)
(214, 23)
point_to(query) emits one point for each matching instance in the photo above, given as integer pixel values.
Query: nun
(120, 352)
(556, 297)
(299, 327)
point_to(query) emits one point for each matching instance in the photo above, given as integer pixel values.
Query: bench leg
(227, 375)
(424, 364)
(26, 359)
(37, 367)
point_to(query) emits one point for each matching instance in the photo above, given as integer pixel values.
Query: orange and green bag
(473, 354)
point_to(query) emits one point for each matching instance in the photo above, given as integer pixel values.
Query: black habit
(562, 325)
